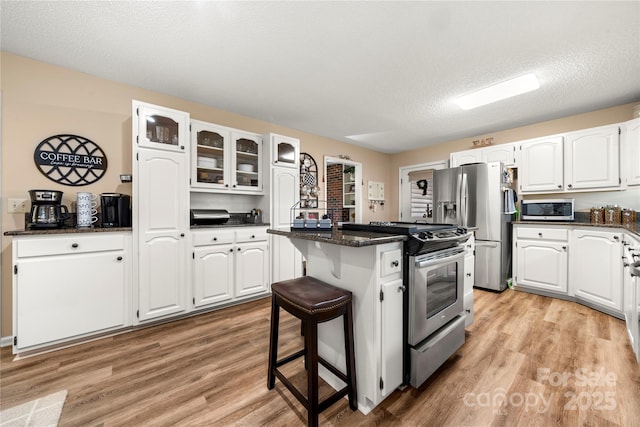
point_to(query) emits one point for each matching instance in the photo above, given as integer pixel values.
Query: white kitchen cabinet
(631, 295)
(67, 287)
(463, 157)
(229, 264)
(469, 280)
(541, 258)
(210, 156)
(213, 275)
(225, 160)
(541, 165)
(391, 341)
(160, 223)
(591, 158)
(160, 128)
(630, 157)
(285, 151)
(505, 153)
(596, 267)
(286, 260)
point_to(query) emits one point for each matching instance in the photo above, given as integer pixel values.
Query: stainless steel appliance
(115, 210)
(433, 268)
(548, 210)
(472, 196)
(209, 216)
(47, 210)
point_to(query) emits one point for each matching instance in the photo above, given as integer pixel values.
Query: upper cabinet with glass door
(162, 128)
(225, 159)
(285, 151)
(210, 156)
(246, 173)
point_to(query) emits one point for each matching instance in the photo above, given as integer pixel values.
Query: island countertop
(341, 237)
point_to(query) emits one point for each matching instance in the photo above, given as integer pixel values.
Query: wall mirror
(343, 189)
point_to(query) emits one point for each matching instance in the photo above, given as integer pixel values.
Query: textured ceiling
(377, 74)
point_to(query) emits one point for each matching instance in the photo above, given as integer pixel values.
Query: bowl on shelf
(246, 167)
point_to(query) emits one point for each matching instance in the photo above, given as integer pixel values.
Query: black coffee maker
(47, 210)
(116, 210)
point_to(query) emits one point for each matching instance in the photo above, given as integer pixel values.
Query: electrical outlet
(17, 206)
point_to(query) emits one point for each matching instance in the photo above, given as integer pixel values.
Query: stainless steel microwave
(548, 210)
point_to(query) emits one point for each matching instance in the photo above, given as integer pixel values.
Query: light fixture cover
(498, 92)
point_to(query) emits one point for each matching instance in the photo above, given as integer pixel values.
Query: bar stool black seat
(313, 302)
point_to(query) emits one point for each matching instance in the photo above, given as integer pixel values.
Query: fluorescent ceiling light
(504, 90)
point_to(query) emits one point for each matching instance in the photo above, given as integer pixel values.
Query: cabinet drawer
(251, 234)
(43, 246)
(212, 237)
(390, 262)
(542, 233)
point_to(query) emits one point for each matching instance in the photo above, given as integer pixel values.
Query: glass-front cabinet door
(286, 151)
(247, 170)
(162, 128)
(210, 156)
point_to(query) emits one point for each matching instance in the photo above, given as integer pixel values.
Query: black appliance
(116, 210)
(47, 210)
(433, 307)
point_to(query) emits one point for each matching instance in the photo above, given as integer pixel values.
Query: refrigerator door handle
(464, 193)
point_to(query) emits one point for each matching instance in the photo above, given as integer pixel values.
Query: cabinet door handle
(395, 263)
(119, 258)
(74, 245)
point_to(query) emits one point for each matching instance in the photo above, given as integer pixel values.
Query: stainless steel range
(433, 274)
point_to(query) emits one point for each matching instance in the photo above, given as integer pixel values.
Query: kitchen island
(370, 266)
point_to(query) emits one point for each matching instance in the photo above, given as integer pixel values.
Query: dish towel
(509, 201)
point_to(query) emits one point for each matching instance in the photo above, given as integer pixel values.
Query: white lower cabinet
(595, 267)
(229, 264)
(69, 287)
(540, 259)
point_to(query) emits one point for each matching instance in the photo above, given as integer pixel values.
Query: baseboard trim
(6, 341)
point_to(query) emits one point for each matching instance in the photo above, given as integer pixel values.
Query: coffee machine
(116, 210)
(47, 210)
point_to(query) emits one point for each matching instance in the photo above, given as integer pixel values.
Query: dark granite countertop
(633, 228)
(339, 237)
(230, 224)
(65, 230)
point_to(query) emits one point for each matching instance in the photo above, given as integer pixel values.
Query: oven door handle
(462, 238)
(430, 262)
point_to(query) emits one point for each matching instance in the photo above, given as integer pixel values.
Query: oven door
(436, 291)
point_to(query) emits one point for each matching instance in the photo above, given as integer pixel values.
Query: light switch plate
(17, 206)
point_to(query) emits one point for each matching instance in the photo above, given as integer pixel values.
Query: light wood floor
(528, 361)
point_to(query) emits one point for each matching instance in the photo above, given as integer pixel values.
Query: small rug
(42, 412)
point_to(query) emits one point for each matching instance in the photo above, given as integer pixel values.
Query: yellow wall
(439, 152)
(41, 100)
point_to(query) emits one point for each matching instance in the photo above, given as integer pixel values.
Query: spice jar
(628, 217)
(612, 214)
(596, 215)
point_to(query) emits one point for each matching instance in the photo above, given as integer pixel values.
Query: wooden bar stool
(313, 302)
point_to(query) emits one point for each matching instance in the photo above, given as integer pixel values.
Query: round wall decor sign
(70, 160)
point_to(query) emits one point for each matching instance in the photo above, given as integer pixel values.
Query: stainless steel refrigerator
(472, 196)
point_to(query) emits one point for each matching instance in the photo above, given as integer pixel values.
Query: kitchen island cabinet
(371, 268)
(68, 287)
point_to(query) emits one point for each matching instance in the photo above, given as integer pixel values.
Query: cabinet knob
(74, 245)
(616, 238)
(215, 239)
(468, 274)
(181, 234)
(253, 236)
(182, 147)
(231, 250)
(539, 234)
(238, 249)
(119, 258)
(402, 288)
(226, 185)
(564, 248)
(395, 263)
(570, 186)
(234, 186)
(559, 186)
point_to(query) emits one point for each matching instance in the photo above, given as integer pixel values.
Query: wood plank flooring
(528, 361)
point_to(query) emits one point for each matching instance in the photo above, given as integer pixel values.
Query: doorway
(416, 191)
(343, 189)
